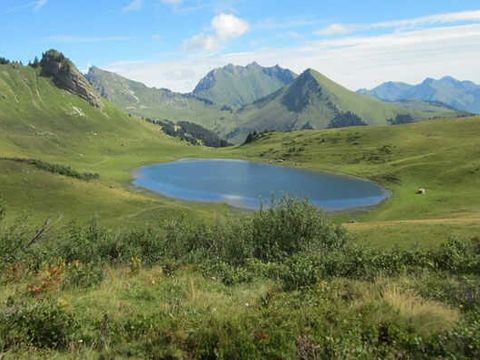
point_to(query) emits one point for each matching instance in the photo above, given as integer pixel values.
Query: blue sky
(173, 43)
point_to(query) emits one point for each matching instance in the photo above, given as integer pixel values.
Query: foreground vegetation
(280, 283)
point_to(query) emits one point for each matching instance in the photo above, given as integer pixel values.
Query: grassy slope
(136, 98)
(151, 311)
(441, 155)
(39, 121)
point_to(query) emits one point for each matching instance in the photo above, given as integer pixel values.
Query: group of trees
(255, 135)
(190, 132)
(346, 119)
(401, 119)
(35, 63)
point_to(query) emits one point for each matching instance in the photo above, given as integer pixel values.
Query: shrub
(78, 275)
(453, 255)
(56, 169)
(41, 324)
(300, 271)
(290, 226)
(227, 274)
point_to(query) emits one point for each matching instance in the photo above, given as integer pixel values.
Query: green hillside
(442, 156)
(313, 100)
(161, 104)
(174, 280)
(40, 121)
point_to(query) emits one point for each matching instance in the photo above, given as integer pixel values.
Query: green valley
(93, 267)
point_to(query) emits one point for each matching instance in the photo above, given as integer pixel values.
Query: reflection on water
(246, 184)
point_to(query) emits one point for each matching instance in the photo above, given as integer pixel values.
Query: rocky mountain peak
(66, 76)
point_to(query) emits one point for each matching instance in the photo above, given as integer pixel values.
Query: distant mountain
(237, 86)
(310, 101)
(314, 101)
(461, 95)
(159, 104)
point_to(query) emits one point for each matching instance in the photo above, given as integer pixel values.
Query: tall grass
(283, 282)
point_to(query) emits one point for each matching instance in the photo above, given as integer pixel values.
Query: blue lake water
(246, 184)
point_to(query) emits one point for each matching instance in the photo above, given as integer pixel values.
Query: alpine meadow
(233, 180)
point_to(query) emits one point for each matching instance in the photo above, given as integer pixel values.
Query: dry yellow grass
(426, 316)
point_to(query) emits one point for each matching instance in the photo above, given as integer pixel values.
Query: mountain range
(313, 101)
(292, 102)
(158, 104)
(461, 95)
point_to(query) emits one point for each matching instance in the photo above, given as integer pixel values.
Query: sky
(174, 43)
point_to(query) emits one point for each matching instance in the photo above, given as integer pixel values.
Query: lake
(245, 184)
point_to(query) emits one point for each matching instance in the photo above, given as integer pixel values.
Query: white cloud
(136, 5)
(335, 29)
(438, 19)
(352, 61)
(228, 26)
(276, 24)
(133, 5)
(38, 4)
(83, 39)
(34, 5)
(406, 24)
(172, 2)
(224, 27)
(202, 42)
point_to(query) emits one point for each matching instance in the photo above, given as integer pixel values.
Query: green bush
(290, 226)
(41, 324)
(56, 169)
(228, 274)
(82, 276)
(300, 271)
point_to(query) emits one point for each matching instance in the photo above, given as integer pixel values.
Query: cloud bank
(433, 46)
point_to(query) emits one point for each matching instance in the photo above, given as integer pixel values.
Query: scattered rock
(421, 191)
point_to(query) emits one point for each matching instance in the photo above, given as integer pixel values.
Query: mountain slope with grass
(158, 104)
(461, 95)
(313, 101)
(237, 86)
(39, 121)
(172, 280)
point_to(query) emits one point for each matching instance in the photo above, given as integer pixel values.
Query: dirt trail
(470, 219)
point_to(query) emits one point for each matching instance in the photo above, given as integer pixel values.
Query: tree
(250, 137)
(401, 119)
(346, 119)
(35, 63)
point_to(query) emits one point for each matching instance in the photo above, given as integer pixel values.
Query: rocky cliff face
(66, 76)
